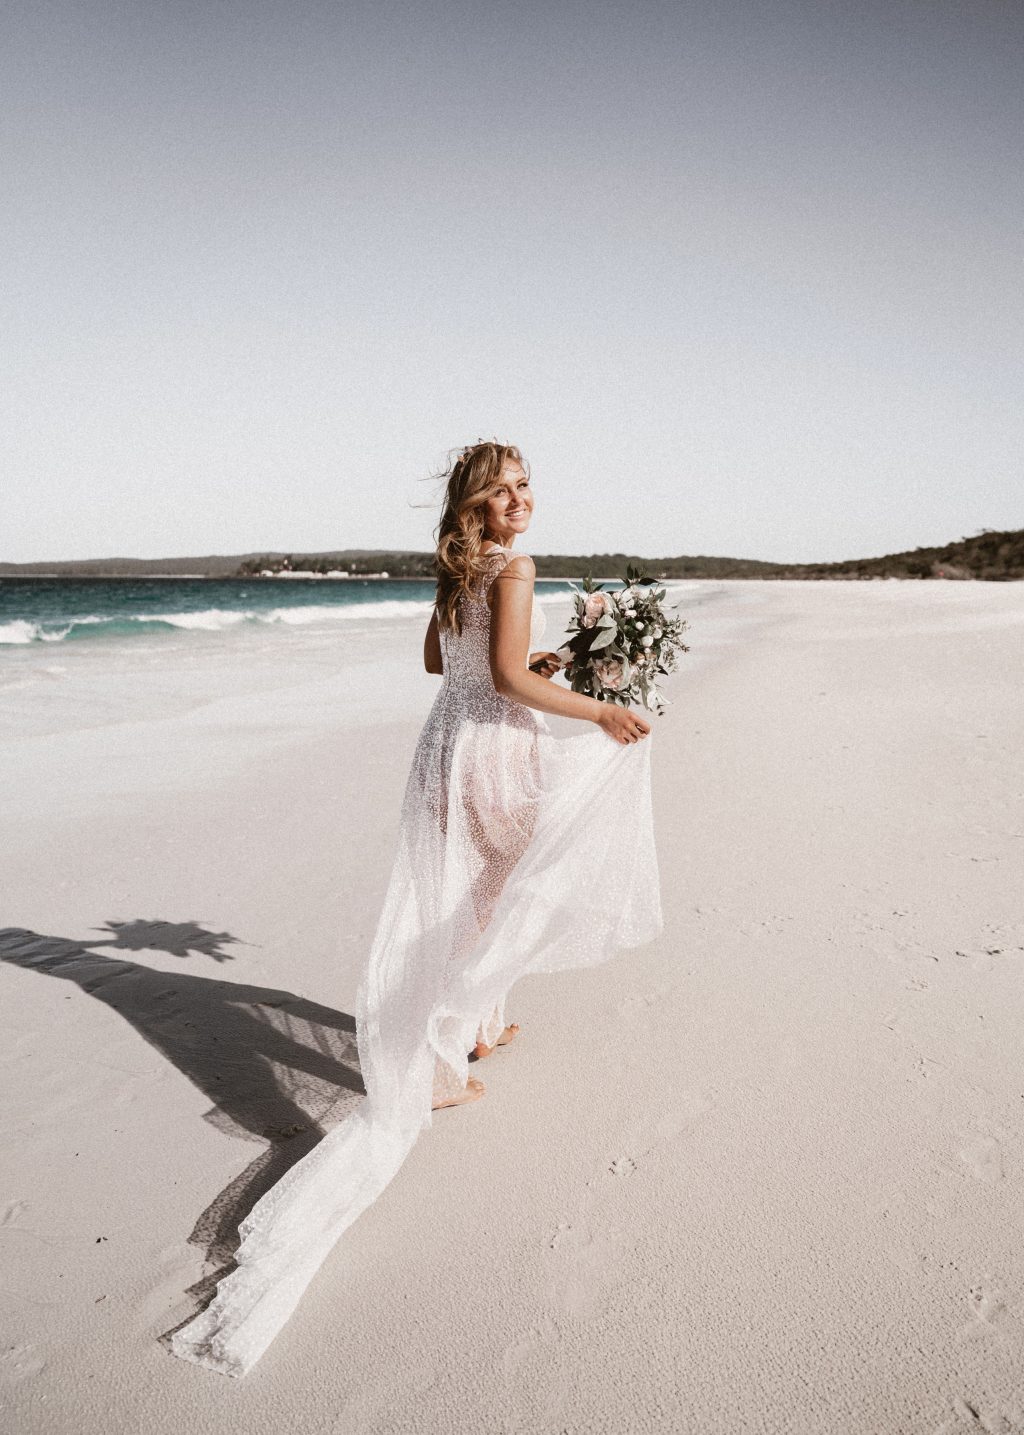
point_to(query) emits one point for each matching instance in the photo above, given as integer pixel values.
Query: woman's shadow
(278, 1069)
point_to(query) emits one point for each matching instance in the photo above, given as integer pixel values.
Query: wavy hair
(472, 476)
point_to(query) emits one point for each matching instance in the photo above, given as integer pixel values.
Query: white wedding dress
(518, 852)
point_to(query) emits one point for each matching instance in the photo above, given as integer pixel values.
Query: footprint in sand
(987, 1304)
(981, 958)
(983, 1157)
(688, 1106)
(775, 924)
(12, 1213)
(586, 1265)
(637, 1007)
(559, 1235)
(537, 1390)
(925, 1067)
(971, 1414)
(622, 1166)
(20, 1362)
(536, 1340)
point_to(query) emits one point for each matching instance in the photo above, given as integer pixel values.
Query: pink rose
(595, 606)
(608, 672)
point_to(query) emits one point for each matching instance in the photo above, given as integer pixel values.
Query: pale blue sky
(740, 278)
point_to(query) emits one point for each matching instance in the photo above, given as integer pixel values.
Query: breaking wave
(19, 631)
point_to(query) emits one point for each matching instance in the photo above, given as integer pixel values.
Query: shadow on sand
(279, 1070)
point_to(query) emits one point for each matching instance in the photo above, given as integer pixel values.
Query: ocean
(194, 672)
(61, 610)
(114, 689)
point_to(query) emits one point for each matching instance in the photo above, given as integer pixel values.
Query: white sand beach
(764, 1175)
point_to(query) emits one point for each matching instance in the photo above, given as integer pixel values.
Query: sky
(739, 278)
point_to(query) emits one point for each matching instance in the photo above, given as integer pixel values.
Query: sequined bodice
(466, 655)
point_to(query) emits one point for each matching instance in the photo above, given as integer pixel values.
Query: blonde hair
(472, 476)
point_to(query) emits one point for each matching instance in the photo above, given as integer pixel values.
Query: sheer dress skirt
(478, 780)
(518, 852)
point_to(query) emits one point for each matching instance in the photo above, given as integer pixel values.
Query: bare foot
(473, 1089)
(480, 1050)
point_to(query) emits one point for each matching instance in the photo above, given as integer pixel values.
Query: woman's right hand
(622, 724)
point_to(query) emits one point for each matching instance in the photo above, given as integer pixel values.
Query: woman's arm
(432, 647)
(510, 597)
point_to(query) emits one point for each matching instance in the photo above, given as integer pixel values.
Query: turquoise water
(60, 610)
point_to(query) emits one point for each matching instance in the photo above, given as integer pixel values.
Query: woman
(483, 623)
(518, 852)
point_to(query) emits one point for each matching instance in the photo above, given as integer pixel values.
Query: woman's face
(507, 511)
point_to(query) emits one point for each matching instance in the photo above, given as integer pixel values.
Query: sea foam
(20, 631)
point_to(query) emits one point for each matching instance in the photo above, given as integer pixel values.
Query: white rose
(595, 605)
(647, 641)
(609, 673)
(657, 632)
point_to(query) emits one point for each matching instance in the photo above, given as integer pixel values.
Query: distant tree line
(356, 562)
(993, 555)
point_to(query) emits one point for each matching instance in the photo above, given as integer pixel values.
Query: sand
(763, 1175)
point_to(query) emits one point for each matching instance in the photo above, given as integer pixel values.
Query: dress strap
(495, 559)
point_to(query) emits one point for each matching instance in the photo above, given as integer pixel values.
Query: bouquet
(620, 641)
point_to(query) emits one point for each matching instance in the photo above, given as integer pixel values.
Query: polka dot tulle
(518, 852)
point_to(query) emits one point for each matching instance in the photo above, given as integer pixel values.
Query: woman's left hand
(546, 664)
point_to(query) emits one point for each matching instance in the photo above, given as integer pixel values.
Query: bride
(518, 852)
(481, 729)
